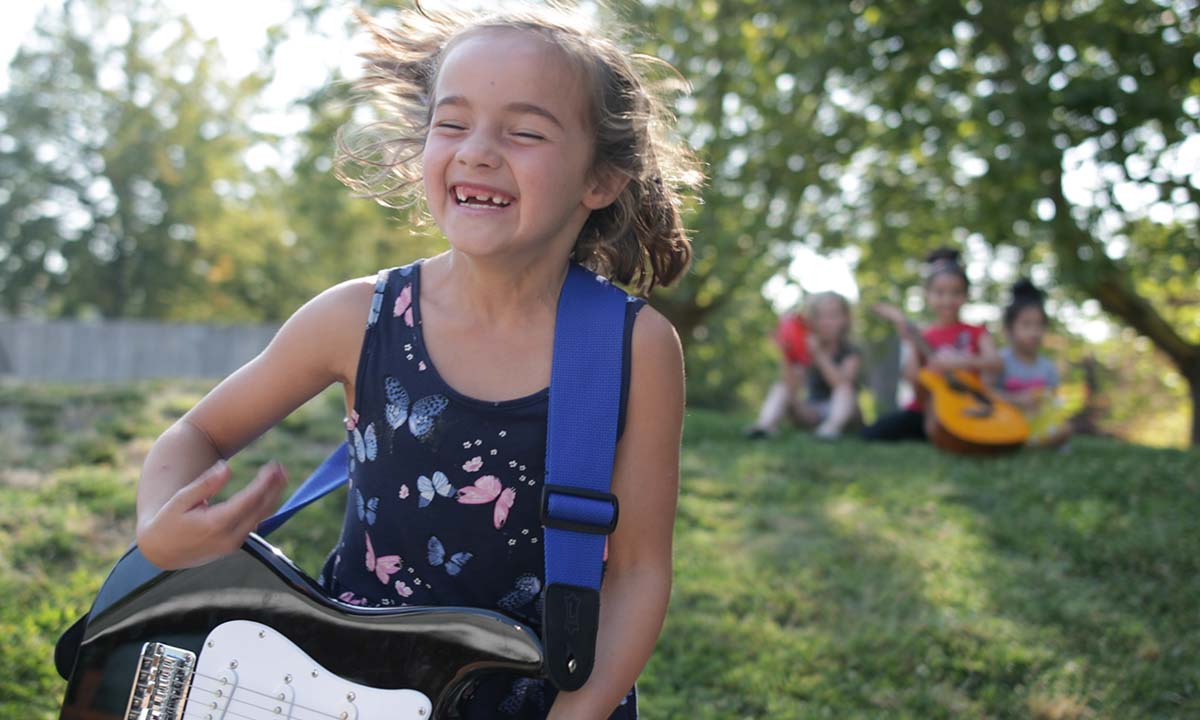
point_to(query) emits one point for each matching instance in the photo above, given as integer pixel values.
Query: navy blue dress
(444, 492)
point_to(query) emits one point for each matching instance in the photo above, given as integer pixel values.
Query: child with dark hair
(956, 345)
(1029, 379)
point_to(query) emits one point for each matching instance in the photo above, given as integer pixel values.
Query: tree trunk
(883, 375)
(1192, 375)
(1118, 298)
(1109, 283)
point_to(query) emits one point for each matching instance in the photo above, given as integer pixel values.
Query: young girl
(956, 345)
(1027, 378)
(535, 142)
(827, 363)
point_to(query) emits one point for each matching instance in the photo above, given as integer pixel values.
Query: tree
(1053, 130)
(759, 121)
(125, 189)
(115, 158)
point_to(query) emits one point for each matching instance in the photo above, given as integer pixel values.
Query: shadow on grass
(1097, 549)
(789, 603)
(850, 580)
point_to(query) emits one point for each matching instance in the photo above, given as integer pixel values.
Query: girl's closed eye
(529, 135)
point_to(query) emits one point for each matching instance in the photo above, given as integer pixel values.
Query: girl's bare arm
(176, 524)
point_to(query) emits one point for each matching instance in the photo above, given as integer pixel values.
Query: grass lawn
(837, 580)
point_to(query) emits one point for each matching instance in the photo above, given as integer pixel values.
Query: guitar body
(249, 635)
(967, 418)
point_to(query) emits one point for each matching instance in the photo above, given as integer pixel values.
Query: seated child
(1028, 379)
(817, 353)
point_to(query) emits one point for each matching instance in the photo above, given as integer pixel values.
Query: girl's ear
(604, 187)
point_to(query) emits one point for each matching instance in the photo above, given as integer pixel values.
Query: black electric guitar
(250, 637)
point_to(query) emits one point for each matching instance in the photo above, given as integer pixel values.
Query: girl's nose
(478, 149)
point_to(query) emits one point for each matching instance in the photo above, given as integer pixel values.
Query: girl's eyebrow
(513, 107)
(532, 109)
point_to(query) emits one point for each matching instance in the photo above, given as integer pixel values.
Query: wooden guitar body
(967, 418)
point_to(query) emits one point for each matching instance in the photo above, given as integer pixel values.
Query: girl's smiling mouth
(480, 196)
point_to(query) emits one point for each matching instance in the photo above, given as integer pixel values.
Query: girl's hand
(889, 312)
(1030, 399)
(187, 531)
(897, 317)
(947, 359)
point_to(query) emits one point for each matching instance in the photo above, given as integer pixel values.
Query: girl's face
(830, 320)
(508, 153)
(945, 294)
(1027, 329)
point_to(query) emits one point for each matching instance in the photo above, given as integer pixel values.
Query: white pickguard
(247, 670)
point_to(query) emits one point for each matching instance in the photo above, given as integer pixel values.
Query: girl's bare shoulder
(657, 353)
(335, 320)
(317, 346)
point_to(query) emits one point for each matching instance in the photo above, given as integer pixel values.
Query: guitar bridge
(161, 688)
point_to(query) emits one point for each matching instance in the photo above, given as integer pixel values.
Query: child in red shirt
(956, 345)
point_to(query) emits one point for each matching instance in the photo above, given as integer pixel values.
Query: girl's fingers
(268, 500)
(204, 487)
(270, 496)
(255, 501)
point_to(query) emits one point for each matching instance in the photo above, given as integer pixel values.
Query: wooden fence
(78, 351)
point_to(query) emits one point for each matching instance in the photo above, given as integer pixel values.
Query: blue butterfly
(396, 410)
(439, 485)
(367, 509)
(366, 446)
(424, 414)
(420, 416)
(376, 304)
(437, 556)
(377, 299)
(528, 587)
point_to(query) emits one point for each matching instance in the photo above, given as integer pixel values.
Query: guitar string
(268, 710)
(208, 713)
(257, 692)
(205, 715)
(233, 699)
(205, 712)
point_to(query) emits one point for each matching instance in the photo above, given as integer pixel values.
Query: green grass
(812, 580)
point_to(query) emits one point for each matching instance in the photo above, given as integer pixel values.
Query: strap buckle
(580, 510)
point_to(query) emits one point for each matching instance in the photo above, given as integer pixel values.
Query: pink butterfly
(485, 490)
(403, 590)
(403, 491)
(404, 305)
(473, 464)
(350, 599)
(383, 567)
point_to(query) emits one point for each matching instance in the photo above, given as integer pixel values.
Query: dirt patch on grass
(21, 478)
(1059, 707)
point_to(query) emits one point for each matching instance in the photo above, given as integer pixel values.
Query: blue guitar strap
(578, 511)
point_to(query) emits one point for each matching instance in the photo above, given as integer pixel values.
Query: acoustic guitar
(251, 637)
(963, 415)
